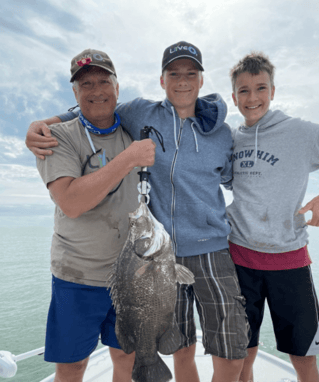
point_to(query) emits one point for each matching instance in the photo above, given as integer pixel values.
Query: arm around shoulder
(39, 138)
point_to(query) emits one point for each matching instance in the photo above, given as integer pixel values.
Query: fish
(144, 290)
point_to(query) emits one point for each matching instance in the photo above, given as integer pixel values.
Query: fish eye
(133, 223)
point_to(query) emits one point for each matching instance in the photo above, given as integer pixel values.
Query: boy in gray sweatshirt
(273, 156)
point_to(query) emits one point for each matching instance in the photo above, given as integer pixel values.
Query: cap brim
(82, 67)
(199, 65)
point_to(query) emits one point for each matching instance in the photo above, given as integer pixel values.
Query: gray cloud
(39, 38)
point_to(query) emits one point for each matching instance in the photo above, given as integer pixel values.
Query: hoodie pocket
(197, 220)
(250, 222)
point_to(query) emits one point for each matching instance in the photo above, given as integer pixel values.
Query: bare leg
(227, 370)
(246, 374)
(122, 365)
(70, 372)
(306, 368)
(184, 365)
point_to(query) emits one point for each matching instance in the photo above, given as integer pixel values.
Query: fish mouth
(148, 236)
(157, 235)
(140, 211)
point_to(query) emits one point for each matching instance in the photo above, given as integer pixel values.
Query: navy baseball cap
(182, 49)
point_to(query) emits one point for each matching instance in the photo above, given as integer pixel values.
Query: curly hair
(253, 63)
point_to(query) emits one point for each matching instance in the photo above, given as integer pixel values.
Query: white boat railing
(8, 361)
(267, 367)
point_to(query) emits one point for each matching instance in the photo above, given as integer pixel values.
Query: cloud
(39, 38)
(11, 147)
(22, 185)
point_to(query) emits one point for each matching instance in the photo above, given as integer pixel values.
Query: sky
(40, 37)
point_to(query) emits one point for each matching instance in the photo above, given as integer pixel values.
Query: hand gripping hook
(144, 187)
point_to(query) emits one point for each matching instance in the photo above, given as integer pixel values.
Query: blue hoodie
(186, 196)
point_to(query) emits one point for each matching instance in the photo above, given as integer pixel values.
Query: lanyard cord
(96, 152)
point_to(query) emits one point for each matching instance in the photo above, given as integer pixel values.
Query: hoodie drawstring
(194, 136)
(196, 144)
(172, 107)
(256, 144)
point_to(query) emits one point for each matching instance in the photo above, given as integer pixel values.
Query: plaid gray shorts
(219, 302)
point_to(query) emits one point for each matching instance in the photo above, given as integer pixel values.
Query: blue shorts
(78, 315)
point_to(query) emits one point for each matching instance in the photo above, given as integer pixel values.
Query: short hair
(253, 63)
(201, 75)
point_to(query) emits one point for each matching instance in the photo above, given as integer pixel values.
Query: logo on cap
(91, 57)
(189, 48)
(84, 61)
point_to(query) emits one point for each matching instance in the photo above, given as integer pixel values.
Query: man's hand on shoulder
(39, 139)
(313, 206)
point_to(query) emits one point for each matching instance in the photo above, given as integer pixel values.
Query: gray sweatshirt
(271, 165)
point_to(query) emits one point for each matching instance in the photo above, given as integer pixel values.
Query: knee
(121, 359)
(185, 355)
(70, 371)
(306, 361)
(234, 366)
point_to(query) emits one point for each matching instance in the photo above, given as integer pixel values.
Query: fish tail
(156, 372)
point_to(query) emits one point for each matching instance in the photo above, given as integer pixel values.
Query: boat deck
(267, 368)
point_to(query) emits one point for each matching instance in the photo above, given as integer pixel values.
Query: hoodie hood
(210, 113)
(270, 119)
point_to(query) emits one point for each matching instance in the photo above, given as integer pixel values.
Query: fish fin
(156, 372)
(184, 275)
(126, 345)
(148, 266)
(171, 340)
(110, 276)
(141, 270)
(125, 340)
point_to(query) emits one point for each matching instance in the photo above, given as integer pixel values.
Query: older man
(91, 180)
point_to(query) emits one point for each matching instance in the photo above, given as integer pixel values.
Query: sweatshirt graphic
(271, 165)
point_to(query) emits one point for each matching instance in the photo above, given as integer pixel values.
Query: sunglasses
(86, 163)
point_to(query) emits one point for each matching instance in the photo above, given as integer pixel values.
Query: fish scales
(143, 289)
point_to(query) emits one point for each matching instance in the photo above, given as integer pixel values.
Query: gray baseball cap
(91, 57)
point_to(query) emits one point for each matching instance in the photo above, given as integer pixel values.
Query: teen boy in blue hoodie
(273, 156)
(186, 197)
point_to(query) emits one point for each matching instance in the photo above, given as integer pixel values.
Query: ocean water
(25, 282)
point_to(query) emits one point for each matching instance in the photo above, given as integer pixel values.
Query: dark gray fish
(143, 287)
